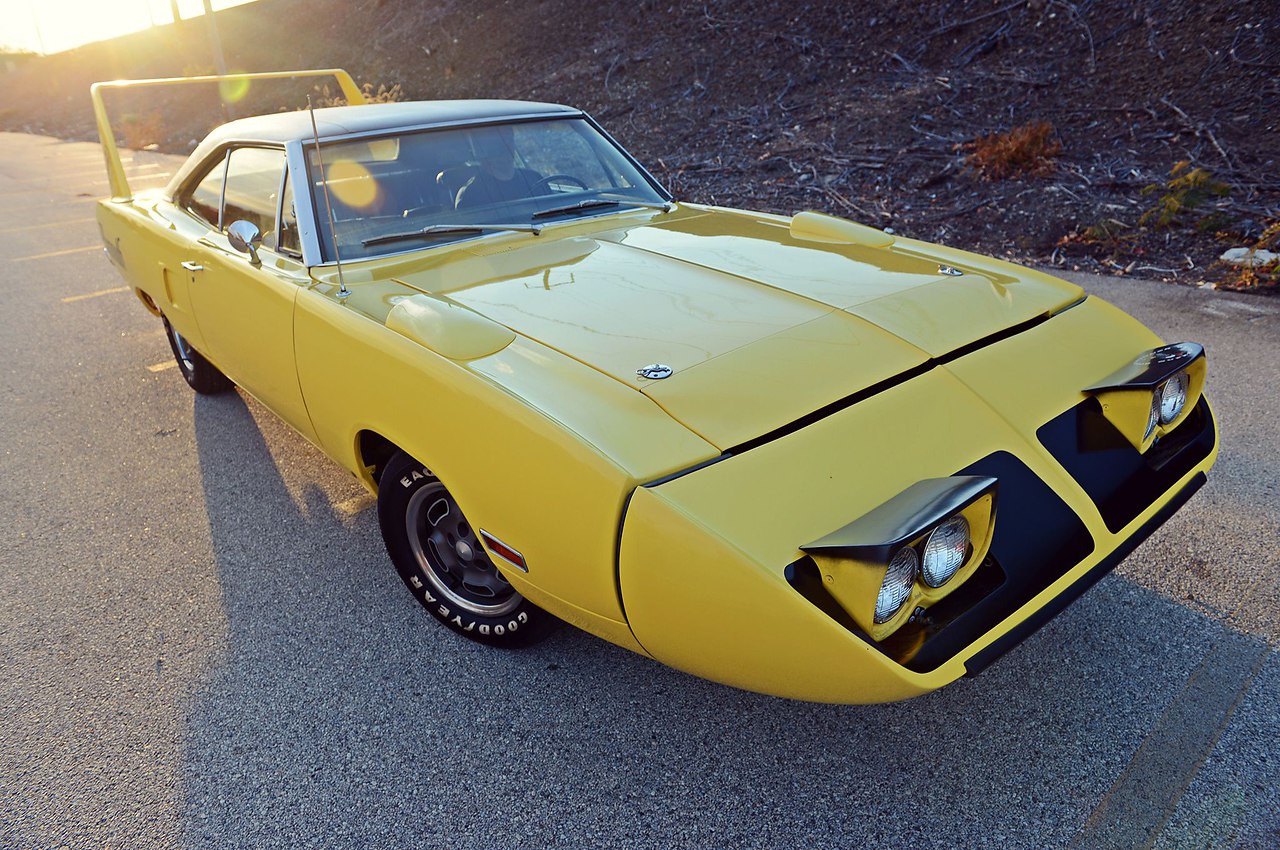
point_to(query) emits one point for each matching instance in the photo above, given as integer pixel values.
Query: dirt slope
(855, 109)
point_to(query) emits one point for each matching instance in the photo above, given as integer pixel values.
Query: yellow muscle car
(797, 455)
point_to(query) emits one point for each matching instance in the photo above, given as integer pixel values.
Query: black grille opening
(1119, 479)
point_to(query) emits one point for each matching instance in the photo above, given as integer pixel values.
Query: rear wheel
(439, 557)
(200, 374)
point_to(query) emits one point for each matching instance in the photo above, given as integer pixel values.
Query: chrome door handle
(192, 266)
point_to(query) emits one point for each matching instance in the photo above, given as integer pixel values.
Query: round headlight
(898, 579)
(945, 551)
(1154, 416)
(1173, 397)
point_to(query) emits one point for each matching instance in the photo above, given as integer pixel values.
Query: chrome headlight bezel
(1153, 416)
(1172, 396)
(895, 588)
(941, 546)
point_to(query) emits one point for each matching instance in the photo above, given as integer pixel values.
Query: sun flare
(50, 26)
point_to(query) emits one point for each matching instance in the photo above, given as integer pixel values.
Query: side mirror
(245, 237)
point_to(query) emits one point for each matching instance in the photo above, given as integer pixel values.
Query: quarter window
(206, 198)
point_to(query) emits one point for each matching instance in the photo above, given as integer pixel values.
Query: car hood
(759, 326)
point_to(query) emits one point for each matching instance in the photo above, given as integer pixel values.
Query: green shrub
(1186, 189)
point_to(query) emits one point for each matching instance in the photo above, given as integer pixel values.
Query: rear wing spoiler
(115, 168)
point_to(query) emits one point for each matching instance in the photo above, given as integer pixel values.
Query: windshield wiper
(435, 229)
(596, 203)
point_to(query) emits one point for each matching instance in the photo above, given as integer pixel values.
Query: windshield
(399, 193)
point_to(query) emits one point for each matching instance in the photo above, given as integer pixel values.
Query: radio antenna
(343, 292)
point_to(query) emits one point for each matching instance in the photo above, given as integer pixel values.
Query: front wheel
(439, 557)
(200, 374)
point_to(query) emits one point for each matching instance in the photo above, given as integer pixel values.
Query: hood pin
(655, 371)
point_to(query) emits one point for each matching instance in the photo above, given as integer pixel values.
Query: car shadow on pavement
(342, 715)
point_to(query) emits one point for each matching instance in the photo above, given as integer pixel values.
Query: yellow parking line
(43, 226)
(160, 367)
(69, 299)
(58, 253)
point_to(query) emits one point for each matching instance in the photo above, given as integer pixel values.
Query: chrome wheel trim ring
(450, 556)
(184, 352)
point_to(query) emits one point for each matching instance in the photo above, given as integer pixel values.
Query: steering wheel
(544, 184)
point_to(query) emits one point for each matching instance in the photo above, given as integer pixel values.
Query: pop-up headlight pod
(909, 552)
(1152, 395)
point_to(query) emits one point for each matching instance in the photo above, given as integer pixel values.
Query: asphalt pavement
(203, 644)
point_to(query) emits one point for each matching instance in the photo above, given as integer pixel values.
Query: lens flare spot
(384, 150)
(352, 184)
(233, 90)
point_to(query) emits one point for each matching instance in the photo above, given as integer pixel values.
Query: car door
(244, 308)
(175, 228)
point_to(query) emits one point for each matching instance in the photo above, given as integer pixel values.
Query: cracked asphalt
(203, 645)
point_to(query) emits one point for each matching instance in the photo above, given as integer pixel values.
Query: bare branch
(949, 27)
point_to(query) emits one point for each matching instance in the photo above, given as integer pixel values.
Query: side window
(205, 199)
(253, 190)
(289, 242)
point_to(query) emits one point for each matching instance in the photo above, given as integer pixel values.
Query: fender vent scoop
(448, 329)
(819, 227)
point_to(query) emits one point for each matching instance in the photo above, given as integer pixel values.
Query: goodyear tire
(201, 375)
(440, 559)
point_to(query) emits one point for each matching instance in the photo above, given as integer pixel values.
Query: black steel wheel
(439, 557)
(199, 373)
